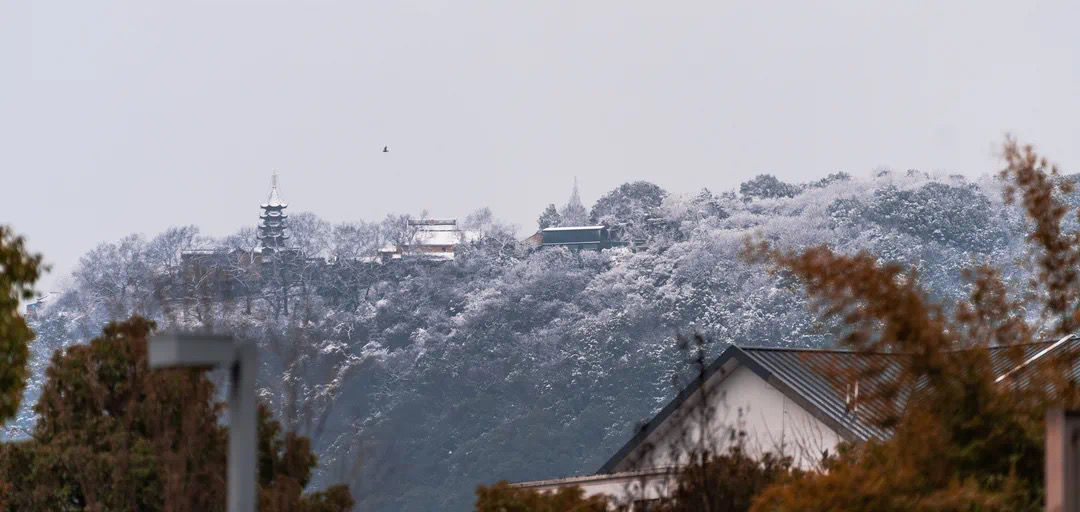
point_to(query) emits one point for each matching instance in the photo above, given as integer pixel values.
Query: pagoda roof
(274, 200)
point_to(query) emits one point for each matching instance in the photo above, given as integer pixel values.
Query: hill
(416, 381)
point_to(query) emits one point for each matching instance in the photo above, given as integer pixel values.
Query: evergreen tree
(18, 271)
(114, 435)
(574, 213)
(628, 209)
(766, 186)
(550, 218)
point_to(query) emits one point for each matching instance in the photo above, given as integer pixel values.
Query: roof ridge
(880, 352)
(818, 349)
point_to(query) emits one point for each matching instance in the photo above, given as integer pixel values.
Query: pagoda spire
(272, 220)
(275, 197)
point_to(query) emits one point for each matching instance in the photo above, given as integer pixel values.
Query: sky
(121, 117)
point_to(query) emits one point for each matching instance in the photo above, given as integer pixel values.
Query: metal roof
(573, 228)
(1004, 362)
(432, 222)
(812, 375)
(809, 377)
(581, 479)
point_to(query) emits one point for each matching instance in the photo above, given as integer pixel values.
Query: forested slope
(417, 381)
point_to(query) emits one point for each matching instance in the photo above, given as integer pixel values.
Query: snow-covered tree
(549, 218)
(766, 186)
(574, 213)
(460, 372)
(631, 210)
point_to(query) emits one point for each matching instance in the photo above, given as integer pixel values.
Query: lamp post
(239, 358)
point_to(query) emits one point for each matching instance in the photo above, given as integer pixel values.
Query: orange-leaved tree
(502, 497)
(963, 436)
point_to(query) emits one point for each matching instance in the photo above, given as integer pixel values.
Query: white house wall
(742, 401)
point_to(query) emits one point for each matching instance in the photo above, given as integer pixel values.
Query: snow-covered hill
(416, 382)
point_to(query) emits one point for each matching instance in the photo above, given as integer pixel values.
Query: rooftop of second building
(573, 228)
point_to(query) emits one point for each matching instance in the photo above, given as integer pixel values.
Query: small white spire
(275, 196)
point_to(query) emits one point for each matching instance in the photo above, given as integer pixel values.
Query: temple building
(214, 271)
(579, 237)
(272, 221)
(428, 239)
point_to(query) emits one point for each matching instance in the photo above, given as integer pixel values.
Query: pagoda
(272, 233)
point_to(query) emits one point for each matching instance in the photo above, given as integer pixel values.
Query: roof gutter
(1032, 359)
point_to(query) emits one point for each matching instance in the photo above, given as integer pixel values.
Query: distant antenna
(273, 179)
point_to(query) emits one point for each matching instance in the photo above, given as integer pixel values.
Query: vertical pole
(1062, 461)
(242, 431)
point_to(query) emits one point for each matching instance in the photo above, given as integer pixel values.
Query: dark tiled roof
(809, 377)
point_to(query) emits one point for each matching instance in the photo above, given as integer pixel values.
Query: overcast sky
(121, 117)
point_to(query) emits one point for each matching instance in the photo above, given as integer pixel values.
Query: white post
(208, 351)
(1062, 461)
(242, 431)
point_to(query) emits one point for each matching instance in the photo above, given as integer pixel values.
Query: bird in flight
(386, 149)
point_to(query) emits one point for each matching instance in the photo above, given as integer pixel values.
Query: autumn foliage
(724, 482)
(963, 439)
(502, 497)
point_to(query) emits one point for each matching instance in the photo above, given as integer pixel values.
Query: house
(434, 238)
(534, 241)
(579, 237)
(428, 239)
(783, 400)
